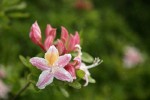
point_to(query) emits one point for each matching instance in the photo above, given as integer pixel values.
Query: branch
(21, 91)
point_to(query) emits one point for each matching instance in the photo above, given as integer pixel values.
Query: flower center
(51, 58)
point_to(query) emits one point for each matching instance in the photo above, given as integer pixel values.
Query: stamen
(96, 62)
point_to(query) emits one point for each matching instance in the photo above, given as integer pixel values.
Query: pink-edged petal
(71, 43)
(77, 38)
(45, 78)
(52, 55)
(50, 31)
(60, 46)
(40, 63)
(71, 69)
(63, 60)
(48, 42)
(78, 62)
(64, 34)
(62, 74)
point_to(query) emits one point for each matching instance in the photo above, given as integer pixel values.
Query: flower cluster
(58, 61)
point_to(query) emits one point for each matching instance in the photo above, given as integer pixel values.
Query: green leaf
(91, 80)
(32, 69)
(64, 92)
(74, 54)
(75, 85)
(24, 61)
(87, 57)
(20, 6)
(80, 73)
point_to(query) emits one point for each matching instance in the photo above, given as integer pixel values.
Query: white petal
(45, 78)
(87, 73)
(86, 80)
(62, 74)
(84, 68)
(40, 63)
(64, 60)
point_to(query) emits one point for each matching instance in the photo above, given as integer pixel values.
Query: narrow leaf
(75, 85)
(24, 61)
(64, 92)
(91, 80)
(87, 57)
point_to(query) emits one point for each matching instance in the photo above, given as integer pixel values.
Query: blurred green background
(105, 27)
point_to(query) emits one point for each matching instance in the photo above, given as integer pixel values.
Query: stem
(21, 91)
(42, 47)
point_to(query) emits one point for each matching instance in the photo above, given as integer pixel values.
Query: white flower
(84, 67)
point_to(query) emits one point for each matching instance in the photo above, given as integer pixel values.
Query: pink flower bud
(48, 42)
(71, 43)
(35, 34)
(64, 34)
(50, 31)
(77, 38)
(60, 46)
(70, 68)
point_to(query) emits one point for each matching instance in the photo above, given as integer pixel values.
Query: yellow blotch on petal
(52, 55)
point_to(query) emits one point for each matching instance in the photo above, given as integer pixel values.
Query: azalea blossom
(57, 60)
(82, 66)
(52, 65)
(132, 57)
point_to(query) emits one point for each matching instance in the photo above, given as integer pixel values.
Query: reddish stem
(42, 46)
